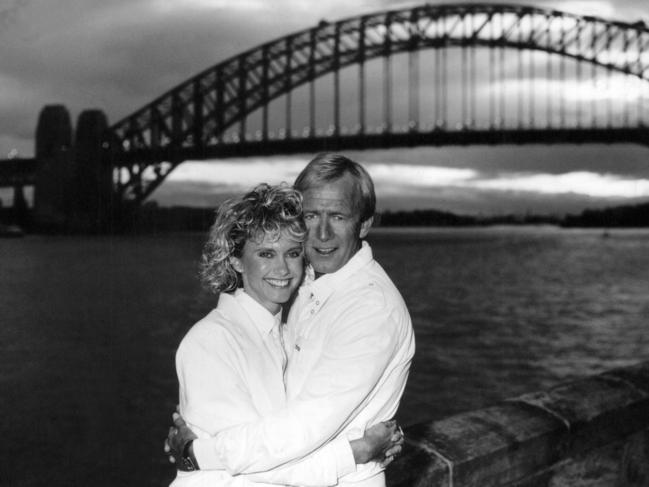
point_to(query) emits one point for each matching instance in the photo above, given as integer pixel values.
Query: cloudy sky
(118, 55)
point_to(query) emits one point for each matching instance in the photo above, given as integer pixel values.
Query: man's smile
(325, 250)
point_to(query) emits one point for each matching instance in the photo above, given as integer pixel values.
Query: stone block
(597, 410)
(418, 465)
(494, 445)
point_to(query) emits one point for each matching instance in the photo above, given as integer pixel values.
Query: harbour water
(89, 326)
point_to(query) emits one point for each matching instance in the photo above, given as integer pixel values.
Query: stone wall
(592, 432)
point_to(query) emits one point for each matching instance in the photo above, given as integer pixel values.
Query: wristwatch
(188, 461)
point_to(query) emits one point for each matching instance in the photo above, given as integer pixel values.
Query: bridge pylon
(92, 179)
(73, 190)
(54, 171)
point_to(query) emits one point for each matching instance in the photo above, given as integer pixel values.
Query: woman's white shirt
(230, 369)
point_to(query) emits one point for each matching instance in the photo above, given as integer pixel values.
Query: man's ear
(365, 227)
(235, 262)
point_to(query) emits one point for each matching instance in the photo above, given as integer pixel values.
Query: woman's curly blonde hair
(266, 210)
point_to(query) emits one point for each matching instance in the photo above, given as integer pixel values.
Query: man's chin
(324, 264)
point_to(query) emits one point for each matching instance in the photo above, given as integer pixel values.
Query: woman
(230, 364)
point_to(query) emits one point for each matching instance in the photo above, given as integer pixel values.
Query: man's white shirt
(350, 342)
(230, 366)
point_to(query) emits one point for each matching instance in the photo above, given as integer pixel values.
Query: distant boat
(11, 231)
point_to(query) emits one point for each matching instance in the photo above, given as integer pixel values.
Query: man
(349, 337)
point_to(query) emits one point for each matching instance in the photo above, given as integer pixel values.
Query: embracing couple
(305, 401)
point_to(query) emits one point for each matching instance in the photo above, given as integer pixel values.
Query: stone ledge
(529, 436)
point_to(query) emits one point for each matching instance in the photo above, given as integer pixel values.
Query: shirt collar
(263, 319)
(328, 283)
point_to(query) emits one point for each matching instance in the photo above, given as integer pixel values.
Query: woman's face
(271, 269)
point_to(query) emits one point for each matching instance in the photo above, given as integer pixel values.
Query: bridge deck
(312, 145)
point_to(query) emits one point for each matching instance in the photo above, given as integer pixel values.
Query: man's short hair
(327, 167)
(266, 210)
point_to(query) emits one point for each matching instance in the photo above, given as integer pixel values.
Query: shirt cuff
(345, 462)
(204, 454)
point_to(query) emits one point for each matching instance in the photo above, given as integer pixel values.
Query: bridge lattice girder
(190, 120)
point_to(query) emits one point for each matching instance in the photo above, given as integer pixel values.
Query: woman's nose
(282, 266)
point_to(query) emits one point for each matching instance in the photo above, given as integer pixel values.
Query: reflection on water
(89, 327)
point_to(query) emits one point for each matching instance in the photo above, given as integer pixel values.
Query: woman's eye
(265, 255)
(294, 254)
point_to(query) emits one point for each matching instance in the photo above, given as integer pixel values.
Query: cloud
(416, 178)
(392, 180)
(240, 174)
(580, 183)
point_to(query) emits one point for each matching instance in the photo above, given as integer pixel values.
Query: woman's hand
(382, 442)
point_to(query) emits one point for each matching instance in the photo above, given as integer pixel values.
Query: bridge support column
(20, 208)
(54, 173)
(92, 175)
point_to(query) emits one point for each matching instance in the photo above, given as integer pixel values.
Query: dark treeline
(619, 216)
(437, 218)
(631, 216)
(151, 218)
(154, 218)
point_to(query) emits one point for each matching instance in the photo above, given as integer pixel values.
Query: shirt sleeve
(360, 345)
(323, 467)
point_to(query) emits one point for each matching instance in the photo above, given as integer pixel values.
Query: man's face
(332, 216)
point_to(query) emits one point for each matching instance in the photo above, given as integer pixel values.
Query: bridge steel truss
(190, 121)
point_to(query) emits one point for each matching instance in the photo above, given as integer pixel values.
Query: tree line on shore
(153, 218)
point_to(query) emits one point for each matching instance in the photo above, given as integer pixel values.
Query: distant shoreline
(151, 218)
(633, 216)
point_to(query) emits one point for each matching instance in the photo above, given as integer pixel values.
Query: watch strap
(188, 461)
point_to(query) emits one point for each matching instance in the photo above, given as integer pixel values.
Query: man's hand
(395, 449)
(177, 438)
(382, 442)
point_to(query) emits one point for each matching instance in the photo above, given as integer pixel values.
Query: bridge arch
(190, 120)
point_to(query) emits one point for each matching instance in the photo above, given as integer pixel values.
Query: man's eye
(308, 216)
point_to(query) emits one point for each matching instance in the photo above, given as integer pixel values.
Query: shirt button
(312, 311)
(317, 302)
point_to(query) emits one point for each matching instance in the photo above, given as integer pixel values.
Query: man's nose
(324, 230)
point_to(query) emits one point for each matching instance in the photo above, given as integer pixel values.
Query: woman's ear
(236, 264)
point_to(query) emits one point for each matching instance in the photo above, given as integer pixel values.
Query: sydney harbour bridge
(428, 75)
